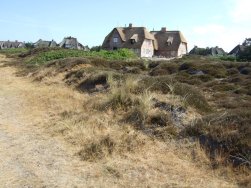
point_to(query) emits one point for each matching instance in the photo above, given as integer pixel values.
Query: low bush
(171, 68)
(233, 71)
(43, 57)
(203, 77)
(226, 87)
(13, 51)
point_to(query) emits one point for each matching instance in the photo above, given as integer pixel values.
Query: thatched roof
(71, 41)
(237, 49)
(10, 44)
(41, 43)
(162, 38)
(128, 33)
(216, 51)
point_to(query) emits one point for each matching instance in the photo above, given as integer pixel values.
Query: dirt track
(29, 157)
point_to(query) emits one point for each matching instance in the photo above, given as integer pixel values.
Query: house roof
(237, 49)
(161, 39)
(41, 43)
(128, 33)
(71, 41)
(216, 51)
(10, 44)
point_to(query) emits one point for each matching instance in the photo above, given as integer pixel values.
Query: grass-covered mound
(193, 97)
(45, 54)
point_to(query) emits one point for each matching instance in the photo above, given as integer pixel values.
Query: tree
(245, 55)
(96, 48)
(29, 45)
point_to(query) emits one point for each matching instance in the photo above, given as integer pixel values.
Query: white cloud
(240, 10)
(218, 35)
(209, 28)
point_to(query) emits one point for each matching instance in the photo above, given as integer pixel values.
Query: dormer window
(169, 40)
(133, 41)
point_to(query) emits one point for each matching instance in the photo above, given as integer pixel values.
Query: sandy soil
(30, 157)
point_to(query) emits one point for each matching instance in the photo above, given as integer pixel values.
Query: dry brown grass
(120, 155)
(113, 152)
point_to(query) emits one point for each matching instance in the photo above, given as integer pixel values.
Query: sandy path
(29, 157)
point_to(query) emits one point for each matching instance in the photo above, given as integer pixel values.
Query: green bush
(121, 54)
(13, 51)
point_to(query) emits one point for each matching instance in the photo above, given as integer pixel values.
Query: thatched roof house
(41, 43)
(169, 43)
(9, 44)
(214, 51)
(72, 43)
(237, 50)
(145, 43)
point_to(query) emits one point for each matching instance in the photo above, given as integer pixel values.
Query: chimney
(131, 25)
(16, 41)
(163, 29)
(8, 40)
(40, 40)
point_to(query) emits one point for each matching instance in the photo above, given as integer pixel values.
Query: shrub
(225, 87)
(237, 79)
(233, 71)
(246, 70)
(170, 67)
(159, 72)
(194, 81)
(60, 53)
(213, 69)
(203, 77)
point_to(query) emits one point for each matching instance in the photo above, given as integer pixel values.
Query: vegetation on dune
(190, 98)
(13, 51)
(59, 53)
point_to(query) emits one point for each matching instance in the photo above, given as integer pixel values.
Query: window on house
(137, 51)
(115, 48)
(67, 46)
(115, 39)
(133, 41)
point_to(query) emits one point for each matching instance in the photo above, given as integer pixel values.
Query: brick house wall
(147, 49)
(165, 53)
(114, 44)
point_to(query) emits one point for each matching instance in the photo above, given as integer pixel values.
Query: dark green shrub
(159, 72)
(188, 65)
(246, 70)
(170, 67)
(233, 71)
(225, 87)
(237, 79)
(213, 69)
(194, 82)
(203, 77)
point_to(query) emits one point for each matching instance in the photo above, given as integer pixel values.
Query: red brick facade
(113, 44)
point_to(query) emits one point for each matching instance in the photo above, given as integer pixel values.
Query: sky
(223, 23)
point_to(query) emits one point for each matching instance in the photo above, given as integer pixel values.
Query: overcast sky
(223, 23)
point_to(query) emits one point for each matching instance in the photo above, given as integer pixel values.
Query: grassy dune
(178, 123)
